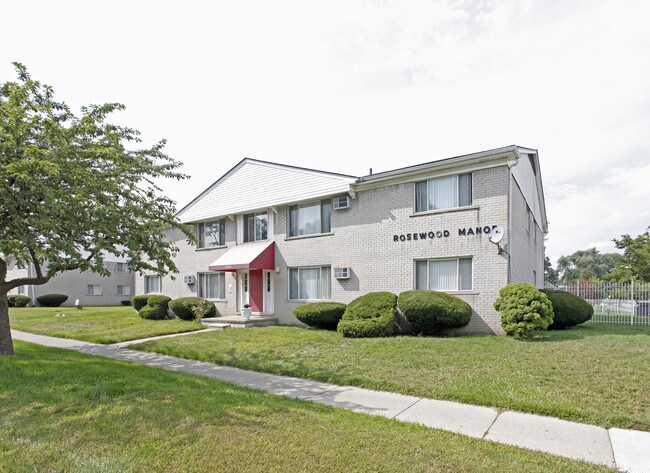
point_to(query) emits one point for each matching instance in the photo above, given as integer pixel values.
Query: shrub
(568, 309)
(153, 313)
(428, 312)
(11, 300)
(138, 302)
(126, 302)
(22, 301)
(186, 307)
(51, 300)
(523, 308)
(371, 315)
(320, 314)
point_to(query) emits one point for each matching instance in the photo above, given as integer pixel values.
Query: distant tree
(586, 264)
(636, 255)
(550, 274)
(74, 189)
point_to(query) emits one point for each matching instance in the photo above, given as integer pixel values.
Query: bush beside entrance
(429, 312)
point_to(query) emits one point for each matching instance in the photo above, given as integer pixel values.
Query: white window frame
(123, 293)
(200, 237)
(93, 293)
(124, 266)
(320, 204)
(147, 283)
(245, 227)
(201, 281)
(322, 269)
(434, 260)
(457, 197)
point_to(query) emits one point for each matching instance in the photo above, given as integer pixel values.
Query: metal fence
(614, 303)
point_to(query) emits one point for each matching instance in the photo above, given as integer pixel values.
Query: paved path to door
(626, 450)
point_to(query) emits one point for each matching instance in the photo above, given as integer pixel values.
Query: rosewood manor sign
(433, 234)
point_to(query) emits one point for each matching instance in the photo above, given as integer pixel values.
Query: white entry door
(243, 289)
(268, 292)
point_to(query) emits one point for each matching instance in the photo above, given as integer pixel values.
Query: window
(94, 290)
(212, 285)
(152, 285)
(123, 290)
(444, 275)
(256, 226)
(309, 283)
(211, 234)
(122, 268)
(21, 289)
(443, 193)
(311, 218)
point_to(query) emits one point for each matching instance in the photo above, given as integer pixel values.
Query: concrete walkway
(627, 450)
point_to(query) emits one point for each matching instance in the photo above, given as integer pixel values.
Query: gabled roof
(254, 184)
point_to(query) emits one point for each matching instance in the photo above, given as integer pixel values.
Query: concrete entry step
(237, 321)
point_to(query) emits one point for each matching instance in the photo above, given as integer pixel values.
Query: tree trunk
(6, 344)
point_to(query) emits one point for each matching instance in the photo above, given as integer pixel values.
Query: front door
(268, 292)
(256, 290)
(243, 289)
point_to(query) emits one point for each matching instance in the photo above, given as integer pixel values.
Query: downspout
(511, 164)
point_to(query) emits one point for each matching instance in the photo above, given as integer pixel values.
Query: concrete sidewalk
(626, 450)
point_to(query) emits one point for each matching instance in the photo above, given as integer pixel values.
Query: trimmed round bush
(371, 315)
(22, 301)
(185, 307)
(153, 313)
(429, 312)
(523, 308)
(51, 300)
(126, 302)
(138, 302)
(11, 301)
(320, 314)
(568, 309)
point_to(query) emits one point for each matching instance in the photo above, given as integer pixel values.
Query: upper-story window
(256, 226)
(122, 267)
(308, 219)
(211, 234)
(443, 193)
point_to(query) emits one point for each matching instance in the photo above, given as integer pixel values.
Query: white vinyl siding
(444, 274)
(309, 219)
(211, 234)
(152, 285)
(443, 193)
(310, 283)
(93, 290)
(212, 285)
(123, 290)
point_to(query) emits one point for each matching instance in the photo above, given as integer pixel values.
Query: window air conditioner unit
(189, 279)
(341, 202)
(342, 273)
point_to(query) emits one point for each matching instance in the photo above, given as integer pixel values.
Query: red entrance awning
(247, 256)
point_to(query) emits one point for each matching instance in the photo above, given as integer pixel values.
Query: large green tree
(74, 189)
(586, 264)
(636, 255)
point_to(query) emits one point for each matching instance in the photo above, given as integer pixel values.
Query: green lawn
(94, 324)
(596, 374)
(65, 411)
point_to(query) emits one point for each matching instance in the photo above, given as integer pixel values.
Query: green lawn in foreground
(595, 374)
(94, 324)
(65, 411)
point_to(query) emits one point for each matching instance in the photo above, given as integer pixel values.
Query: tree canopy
(586, 264)
(76, 188)
(636, 255)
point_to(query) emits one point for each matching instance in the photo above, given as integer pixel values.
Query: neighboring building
(277, 236)
(89, 288)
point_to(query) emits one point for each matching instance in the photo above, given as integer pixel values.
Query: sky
(346, 86)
